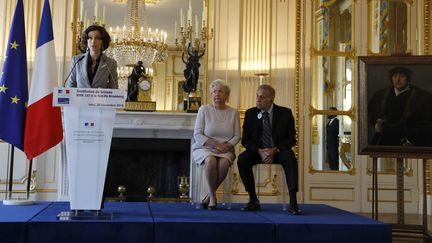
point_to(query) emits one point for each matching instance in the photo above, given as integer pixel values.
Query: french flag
(43, 127)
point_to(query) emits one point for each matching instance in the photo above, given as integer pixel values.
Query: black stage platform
(181, 222)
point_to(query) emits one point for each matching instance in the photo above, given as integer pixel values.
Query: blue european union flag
(13, 83)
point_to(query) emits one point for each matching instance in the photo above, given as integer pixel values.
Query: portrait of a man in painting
(396, 95)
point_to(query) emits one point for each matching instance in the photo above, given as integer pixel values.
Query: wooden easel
(401, 229)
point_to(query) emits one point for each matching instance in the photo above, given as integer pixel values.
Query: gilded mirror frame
(168, 93)
(314, 110)
(343, 150)
(427, 26)
(427, 43)
(408, 167)
(378, 25)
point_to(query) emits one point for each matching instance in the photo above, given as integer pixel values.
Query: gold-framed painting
(395, 106)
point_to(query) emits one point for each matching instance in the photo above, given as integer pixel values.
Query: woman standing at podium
(93, 69)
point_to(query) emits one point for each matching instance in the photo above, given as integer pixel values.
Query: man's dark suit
(283, 134)
(332, 144)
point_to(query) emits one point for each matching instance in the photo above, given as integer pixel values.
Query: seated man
(268, 136)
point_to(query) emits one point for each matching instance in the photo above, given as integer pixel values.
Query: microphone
(73, 67)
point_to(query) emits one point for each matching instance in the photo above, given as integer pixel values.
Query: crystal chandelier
(135, 41)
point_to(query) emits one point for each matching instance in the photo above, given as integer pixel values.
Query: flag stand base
(17, 202)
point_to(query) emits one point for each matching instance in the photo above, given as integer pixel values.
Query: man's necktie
(266, 139)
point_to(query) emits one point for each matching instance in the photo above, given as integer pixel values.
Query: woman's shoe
(213, 207)
(205, 202)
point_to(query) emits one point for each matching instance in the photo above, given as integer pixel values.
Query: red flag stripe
(43, 127)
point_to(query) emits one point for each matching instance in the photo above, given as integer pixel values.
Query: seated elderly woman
(217, 131)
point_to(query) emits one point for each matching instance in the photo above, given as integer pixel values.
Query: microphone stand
(72, 69)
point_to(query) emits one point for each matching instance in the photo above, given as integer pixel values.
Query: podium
(88, 118)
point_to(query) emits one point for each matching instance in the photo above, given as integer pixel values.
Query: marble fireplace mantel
(154, 125)
(168, 125)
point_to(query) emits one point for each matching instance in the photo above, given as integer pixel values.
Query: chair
(278, 186)
(199, 187)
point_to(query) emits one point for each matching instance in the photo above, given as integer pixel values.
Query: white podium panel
(89, 116)
(88, 141)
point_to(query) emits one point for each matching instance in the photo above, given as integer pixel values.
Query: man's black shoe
(295, 210)
(251, 206)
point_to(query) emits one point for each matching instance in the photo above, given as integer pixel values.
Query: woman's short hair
(220, 82)
(106, 39)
